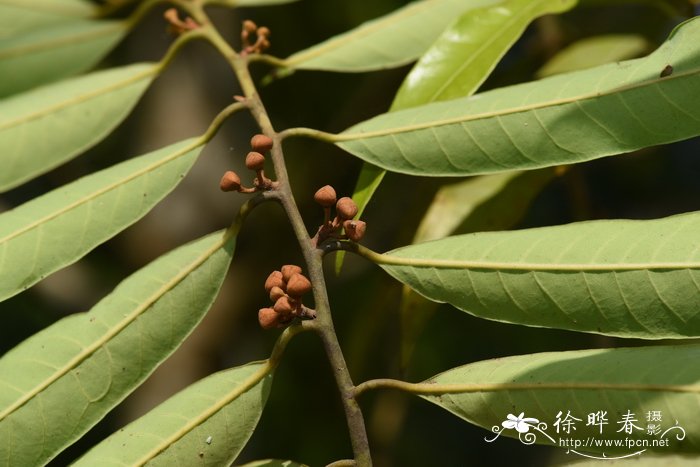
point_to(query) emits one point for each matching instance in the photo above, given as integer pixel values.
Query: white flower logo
(521, 424)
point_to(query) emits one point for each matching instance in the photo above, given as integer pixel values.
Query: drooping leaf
(208, 423)
(45, 127)
(17, 16)
(56, 229)
(638, 380)
(623, 278)
(594, 51)
(55, 52)
(485, 203)
(564, 119)
(273, 463)
(246, 3)
(468, 51)
(389, 41)
(58, 383)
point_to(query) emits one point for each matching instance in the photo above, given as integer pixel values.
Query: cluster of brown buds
(254, 161)
(178, 26)
(286, 287)
(345, 209)
(262, 38)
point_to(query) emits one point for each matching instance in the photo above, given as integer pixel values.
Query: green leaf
(623, 278)
(56, 229)
(468, 51)
(389, 41)
(208, 423)
(486, 203)
(60, 382)
(638, 380)
(247, 3)
(559, 120)
(594, 51)
(45, 127)
(55, 52)
(17, 16)
(647, 460)
(273, 463)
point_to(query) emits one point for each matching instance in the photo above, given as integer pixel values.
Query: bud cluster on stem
(345, 209)
(255, 160)
(178, 26)
(262, 38)
(286, 288)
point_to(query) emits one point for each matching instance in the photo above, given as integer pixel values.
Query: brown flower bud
(355, 230)
(325, 196)
(261, 143)
(346, 208)
(283, 306)
(255, 161)
(249, 26)
(276, 293)
(263, 31)
(274, 280)
(288, 271)
(267, 318)
(298, 285)
(230, 181)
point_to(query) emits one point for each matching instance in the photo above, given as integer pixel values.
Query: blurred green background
(303, 419)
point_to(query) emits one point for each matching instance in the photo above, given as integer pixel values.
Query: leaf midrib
(343, 137)
(155, 69)
(54, 43)
(432, 388)
(96, 194)
(111, 333)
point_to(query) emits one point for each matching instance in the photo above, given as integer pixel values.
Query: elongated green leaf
(54, 52)
(466, 53)
(623, 278)
(647, 460)
(206, 424)
(17, 16)
(55, 230)
(615, 381)
(246, 3)
(390, 41)
(60, 382)
(559, 120)
(594, 51)
(273, 463)
(485, 203)
(45, 127)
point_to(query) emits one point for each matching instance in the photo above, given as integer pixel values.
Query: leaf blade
(54, 52)
(622, 278)
(468, 51)
(48, 110)
(615, 380)
(72, 220)
(87, 361)
(403, 34)
(17, 16)
(597, 112)
(215, 440)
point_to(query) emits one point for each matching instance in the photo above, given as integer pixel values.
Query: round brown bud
(276, 293)
(274, 280)
(346, 208)
(261, 143)
(263, 31)
(230, 181)
(283, 306)
(249, 26)
(298, 285)
(267, 318)
(255, 161)
(355, 230)
(325, 196)
(288, 271)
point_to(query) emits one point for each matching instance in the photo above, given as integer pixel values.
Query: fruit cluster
(286, 288)
(345, 209)
(254, 161)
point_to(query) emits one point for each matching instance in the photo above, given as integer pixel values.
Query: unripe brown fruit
(276, 293)
(355, 230)
(346, 208)
(288, 271)
(255, 161)
(298, 285)
(261, 143)
(325, 196)
(274, 280)
(230, 181)
(283, 306)
(268, 318)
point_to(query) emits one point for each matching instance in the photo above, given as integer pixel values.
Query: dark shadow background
(303, 419)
